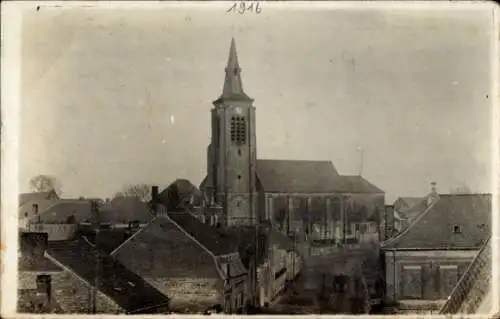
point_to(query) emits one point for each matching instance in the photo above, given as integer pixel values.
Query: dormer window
(457, 229)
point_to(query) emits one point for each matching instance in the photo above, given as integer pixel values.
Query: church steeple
(233, 87)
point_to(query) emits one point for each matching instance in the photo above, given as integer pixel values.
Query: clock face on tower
(238, 110)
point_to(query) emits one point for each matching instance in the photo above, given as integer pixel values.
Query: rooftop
(455, 221)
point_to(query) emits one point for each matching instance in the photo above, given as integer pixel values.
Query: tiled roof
(26, 197)
(210, 237)
(125, 209)
(161, 250)
(434, 229)
(62, 209)
(123, 286)
(292, 176)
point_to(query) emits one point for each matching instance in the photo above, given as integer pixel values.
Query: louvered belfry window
(238, 129)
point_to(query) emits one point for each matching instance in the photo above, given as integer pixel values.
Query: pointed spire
(233, 87)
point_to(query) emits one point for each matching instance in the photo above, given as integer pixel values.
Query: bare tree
(141, 191)
(45, 183)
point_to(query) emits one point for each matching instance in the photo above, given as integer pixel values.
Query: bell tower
(232, 152)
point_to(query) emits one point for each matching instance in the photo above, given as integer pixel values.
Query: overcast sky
(111, 97)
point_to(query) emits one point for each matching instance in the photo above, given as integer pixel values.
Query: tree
(45, 183)
(141, 191)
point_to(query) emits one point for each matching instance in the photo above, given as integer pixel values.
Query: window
(239, 152)
(457, 229)
(238, 130)
(239, 176)
(412, 281)
(26, 214)
(448, 279)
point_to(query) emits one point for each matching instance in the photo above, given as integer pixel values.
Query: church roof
(434, 228)
(233, 86)
(292, 176)
(355, 184)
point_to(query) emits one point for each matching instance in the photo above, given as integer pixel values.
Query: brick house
(190, 262)
(48, 282)
(425, 261)
(31, 204)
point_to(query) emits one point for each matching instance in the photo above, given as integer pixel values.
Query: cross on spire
(233, 87)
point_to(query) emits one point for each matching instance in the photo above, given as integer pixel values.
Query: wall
(54, 231)
(195, 294)
(424, 275)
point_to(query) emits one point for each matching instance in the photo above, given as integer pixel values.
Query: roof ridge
(404, 232)
(130, 238)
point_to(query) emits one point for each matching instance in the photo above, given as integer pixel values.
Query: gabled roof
(434, 228)
(27, 197)
(149, 252)
(293, 176)
(62, 209)
(355, 184)
(125, 209)
(127, 289)
(210, 237)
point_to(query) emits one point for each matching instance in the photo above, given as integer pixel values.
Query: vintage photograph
(248, 157)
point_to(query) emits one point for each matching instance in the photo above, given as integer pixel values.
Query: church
(307, 198)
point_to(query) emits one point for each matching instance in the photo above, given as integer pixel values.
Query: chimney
(33, 246)
(433, 196)
(35, 209)
(154, 198)
(44, 292)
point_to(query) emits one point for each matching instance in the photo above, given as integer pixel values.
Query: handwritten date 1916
(242, 7)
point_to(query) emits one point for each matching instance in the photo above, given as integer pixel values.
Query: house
(424, 262)
(57, 277)
(31, 204)
(300, 196)
(190, 262)
(59, 220)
